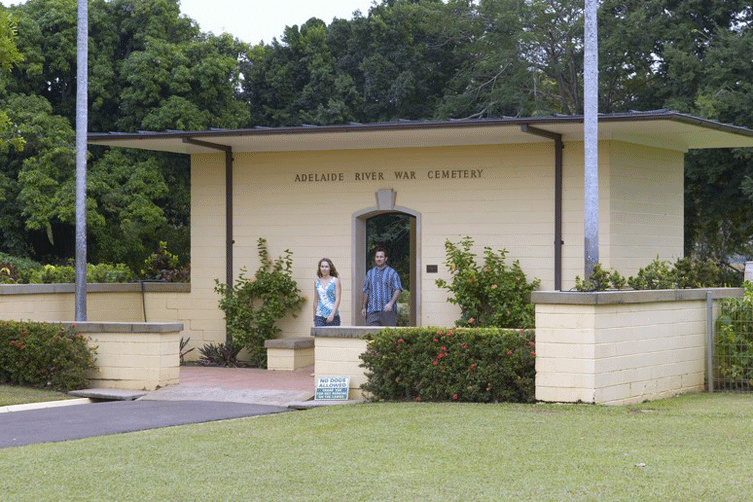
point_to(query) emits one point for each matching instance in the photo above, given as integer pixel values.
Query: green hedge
(44, 355)
(459, 364)
(21, 271)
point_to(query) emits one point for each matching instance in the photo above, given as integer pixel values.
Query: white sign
(332, 388)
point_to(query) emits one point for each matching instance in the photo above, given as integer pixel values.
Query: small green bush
(253, 306)
(15, 270)
(403, 309)
(44, 355)
(221, 354)
(435, 364)
(685, 273)
(489, 295)
(163, 266)
(600, 280)
(107, 273)
(102, 273)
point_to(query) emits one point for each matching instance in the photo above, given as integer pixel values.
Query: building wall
(204, 322)
(641, 207)
(646, 206)
(501, 196)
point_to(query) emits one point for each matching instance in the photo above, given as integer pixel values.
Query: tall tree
(297, 81)
(719, 184)
(8, 56)
(150, 68)
(37, 183)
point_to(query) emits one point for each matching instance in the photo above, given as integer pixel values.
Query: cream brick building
(311, 190)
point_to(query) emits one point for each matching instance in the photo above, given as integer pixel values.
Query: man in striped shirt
(381, 289)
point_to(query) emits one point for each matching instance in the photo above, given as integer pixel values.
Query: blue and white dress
(326, 303)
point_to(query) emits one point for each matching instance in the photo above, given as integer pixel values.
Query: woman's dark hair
(332, 269)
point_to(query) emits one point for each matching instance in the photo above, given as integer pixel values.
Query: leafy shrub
(221, 354)
(403, 309)
(489, 295)
(253, 306)
(163, 266)
(44, 355)
(461, 364)
(656, 275)
(15, 270)
(600, 280)
(107, 273)
(685, 273)
(102, 273)
(734, 341)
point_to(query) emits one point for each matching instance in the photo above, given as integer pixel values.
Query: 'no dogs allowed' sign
(332, 388)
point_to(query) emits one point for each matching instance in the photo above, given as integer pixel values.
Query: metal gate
(731, 367)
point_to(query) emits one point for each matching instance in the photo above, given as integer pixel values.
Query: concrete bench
(288, 354)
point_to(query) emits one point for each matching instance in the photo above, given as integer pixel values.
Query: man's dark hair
(382, 250)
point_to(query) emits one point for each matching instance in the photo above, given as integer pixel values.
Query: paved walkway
(203, 395)
(240, 385)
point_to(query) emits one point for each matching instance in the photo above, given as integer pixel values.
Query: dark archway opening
(395, 233)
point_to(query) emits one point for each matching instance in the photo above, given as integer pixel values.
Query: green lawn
(689, 448)
(14, 394)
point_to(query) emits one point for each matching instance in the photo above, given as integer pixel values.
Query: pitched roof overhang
(665, 129)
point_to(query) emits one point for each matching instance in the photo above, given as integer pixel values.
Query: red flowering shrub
(44, 355)
(461, 364)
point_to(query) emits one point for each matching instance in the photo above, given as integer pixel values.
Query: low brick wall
(336, 353)
(133, 356)
(621, 347)
(289, 354)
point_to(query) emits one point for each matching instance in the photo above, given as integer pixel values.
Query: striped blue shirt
(379, 286)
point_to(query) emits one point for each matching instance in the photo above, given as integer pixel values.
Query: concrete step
(109, 394)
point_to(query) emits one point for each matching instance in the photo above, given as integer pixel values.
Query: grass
(692, 447)
(14, 394)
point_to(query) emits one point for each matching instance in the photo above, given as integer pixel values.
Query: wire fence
(732, 358)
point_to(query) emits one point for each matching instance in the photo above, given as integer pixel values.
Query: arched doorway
(398, 230)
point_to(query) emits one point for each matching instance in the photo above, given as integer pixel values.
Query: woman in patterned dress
(327, 292)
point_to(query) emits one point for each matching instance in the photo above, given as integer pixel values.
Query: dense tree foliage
(153, 69)
(8, 56)
(150, 69)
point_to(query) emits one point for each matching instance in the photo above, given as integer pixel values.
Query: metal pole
(591, 139)
(710, 339)
(82, 86)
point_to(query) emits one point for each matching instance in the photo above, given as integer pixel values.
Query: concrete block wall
(158, 302)
(121, 302)
(286, 354)
(337, 351)
(133, 356)
(621, 347)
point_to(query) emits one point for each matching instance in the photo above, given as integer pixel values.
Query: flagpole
(82, 85)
